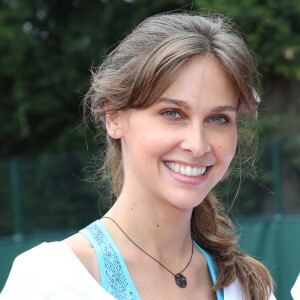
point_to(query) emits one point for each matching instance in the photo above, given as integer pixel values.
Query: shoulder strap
(114, 274)
(212, 269)
(93, 235)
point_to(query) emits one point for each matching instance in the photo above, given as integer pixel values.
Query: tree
(271, 28)
(47, 49)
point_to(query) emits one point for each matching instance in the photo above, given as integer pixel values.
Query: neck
(163, 231)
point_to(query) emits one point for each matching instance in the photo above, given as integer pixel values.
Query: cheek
(159, 141)
(227, 147)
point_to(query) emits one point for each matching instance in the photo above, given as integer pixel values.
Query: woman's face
(179, 148)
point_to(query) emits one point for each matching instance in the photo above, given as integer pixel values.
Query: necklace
(179, 278)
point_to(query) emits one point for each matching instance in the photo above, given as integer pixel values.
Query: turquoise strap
(213, 270)
(92, 232)
(88, 234)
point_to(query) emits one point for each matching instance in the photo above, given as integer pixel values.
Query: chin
(187, 202)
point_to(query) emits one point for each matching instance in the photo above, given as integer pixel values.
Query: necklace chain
(179, 278)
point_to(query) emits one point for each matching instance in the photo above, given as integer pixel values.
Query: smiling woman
(169, 97)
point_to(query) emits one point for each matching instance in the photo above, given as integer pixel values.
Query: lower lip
(188, 179)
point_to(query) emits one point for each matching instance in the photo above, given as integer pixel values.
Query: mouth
(186, 170)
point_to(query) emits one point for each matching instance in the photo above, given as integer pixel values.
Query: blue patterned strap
(115, 278)
(212, 269)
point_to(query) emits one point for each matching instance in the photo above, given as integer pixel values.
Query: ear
(114, 124)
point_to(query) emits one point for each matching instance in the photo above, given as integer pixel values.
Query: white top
(51, 271)
(296, 289)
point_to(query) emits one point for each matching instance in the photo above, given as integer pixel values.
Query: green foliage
(271, 28)
(47, 49)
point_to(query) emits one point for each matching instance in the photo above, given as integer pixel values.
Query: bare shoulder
(79, 244)
(84, 252)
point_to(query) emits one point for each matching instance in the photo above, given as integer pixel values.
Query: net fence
(53, 192)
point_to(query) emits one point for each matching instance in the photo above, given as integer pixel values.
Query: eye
(171, 114)
(219, 119)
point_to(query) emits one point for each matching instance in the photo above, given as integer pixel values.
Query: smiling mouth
(186, 170)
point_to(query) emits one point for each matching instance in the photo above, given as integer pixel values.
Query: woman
(169, 96)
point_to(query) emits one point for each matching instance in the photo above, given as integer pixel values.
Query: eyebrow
(181, 103)
(222, 108)
(176, 102)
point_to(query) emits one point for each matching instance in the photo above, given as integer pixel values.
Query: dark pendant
(180, 280)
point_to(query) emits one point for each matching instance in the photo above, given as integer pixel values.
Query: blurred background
(47, 156)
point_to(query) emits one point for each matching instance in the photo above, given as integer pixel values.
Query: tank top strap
(115, 278)
(212, 269)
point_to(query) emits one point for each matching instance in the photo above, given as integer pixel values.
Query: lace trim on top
(115, 278)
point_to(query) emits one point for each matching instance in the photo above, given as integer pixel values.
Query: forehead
(203, 79)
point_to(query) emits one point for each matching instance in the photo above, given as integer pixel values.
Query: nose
(196, 141)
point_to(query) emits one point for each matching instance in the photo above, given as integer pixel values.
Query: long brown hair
(135, 75)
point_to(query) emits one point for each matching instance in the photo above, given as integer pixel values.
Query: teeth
(186, 170)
